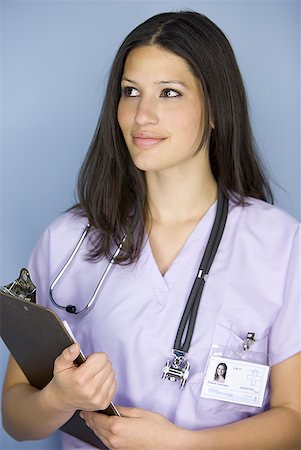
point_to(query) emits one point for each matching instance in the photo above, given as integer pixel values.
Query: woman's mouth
(145, 140)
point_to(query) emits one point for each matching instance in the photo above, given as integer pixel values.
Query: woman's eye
(169, 93)
(130, 92)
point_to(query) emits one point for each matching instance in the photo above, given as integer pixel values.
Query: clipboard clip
(22, 288)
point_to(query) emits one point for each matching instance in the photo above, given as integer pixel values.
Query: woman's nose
(147, 112)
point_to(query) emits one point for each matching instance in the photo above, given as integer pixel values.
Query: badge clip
(22, 288)
(249, 340)
(178, 370)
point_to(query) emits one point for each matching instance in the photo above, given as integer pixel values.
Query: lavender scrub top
(253, 286)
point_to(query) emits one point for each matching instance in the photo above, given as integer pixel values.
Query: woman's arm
(29, 413)
(278, 428)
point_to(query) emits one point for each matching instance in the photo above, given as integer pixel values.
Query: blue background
(55, 57)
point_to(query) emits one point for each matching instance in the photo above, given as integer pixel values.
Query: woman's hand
(91, 386)
(137, 429)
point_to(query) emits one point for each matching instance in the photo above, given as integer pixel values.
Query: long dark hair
(112, 191)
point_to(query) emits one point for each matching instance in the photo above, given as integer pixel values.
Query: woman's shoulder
(70, 222)
(262, 215)
(62, 232)
(264, 227)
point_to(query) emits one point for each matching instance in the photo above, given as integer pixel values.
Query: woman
(220, 373)
(173, 137)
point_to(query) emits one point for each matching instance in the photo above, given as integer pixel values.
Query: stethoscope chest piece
(178, 370)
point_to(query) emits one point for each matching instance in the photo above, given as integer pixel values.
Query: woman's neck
(177, 202)
(177, 197)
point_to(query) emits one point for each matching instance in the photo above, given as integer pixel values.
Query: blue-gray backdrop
(55, 56)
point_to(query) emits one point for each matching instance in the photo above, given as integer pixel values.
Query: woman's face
(221, 371)
(160, 111)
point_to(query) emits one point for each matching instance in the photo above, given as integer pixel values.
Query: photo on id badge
(236, 381)
(220, 373)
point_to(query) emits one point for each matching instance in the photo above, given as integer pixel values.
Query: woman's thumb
(66, 358)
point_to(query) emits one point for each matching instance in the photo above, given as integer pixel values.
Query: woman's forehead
(156, 63)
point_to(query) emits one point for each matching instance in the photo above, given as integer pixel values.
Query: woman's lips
(146, 141)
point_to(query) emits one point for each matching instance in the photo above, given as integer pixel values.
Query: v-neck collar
(192, 249)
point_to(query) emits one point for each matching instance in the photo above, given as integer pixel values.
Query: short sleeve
(38, 267)
(285, 335)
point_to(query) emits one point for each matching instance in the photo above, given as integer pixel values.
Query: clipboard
(35, 336)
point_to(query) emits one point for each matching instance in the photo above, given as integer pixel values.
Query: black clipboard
(35, 336)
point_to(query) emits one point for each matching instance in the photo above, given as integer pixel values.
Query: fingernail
(81, 415)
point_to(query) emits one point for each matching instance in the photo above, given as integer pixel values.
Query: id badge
(235, 381)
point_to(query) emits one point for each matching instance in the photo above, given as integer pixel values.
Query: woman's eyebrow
(128, 80)
(172, 82)
(181, 83)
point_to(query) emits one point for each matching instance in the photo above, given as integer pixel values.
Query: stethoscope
(179, 368)
(72, 308)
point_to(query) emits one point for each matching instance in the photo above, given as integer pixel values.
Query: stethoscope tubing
(191, 309)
